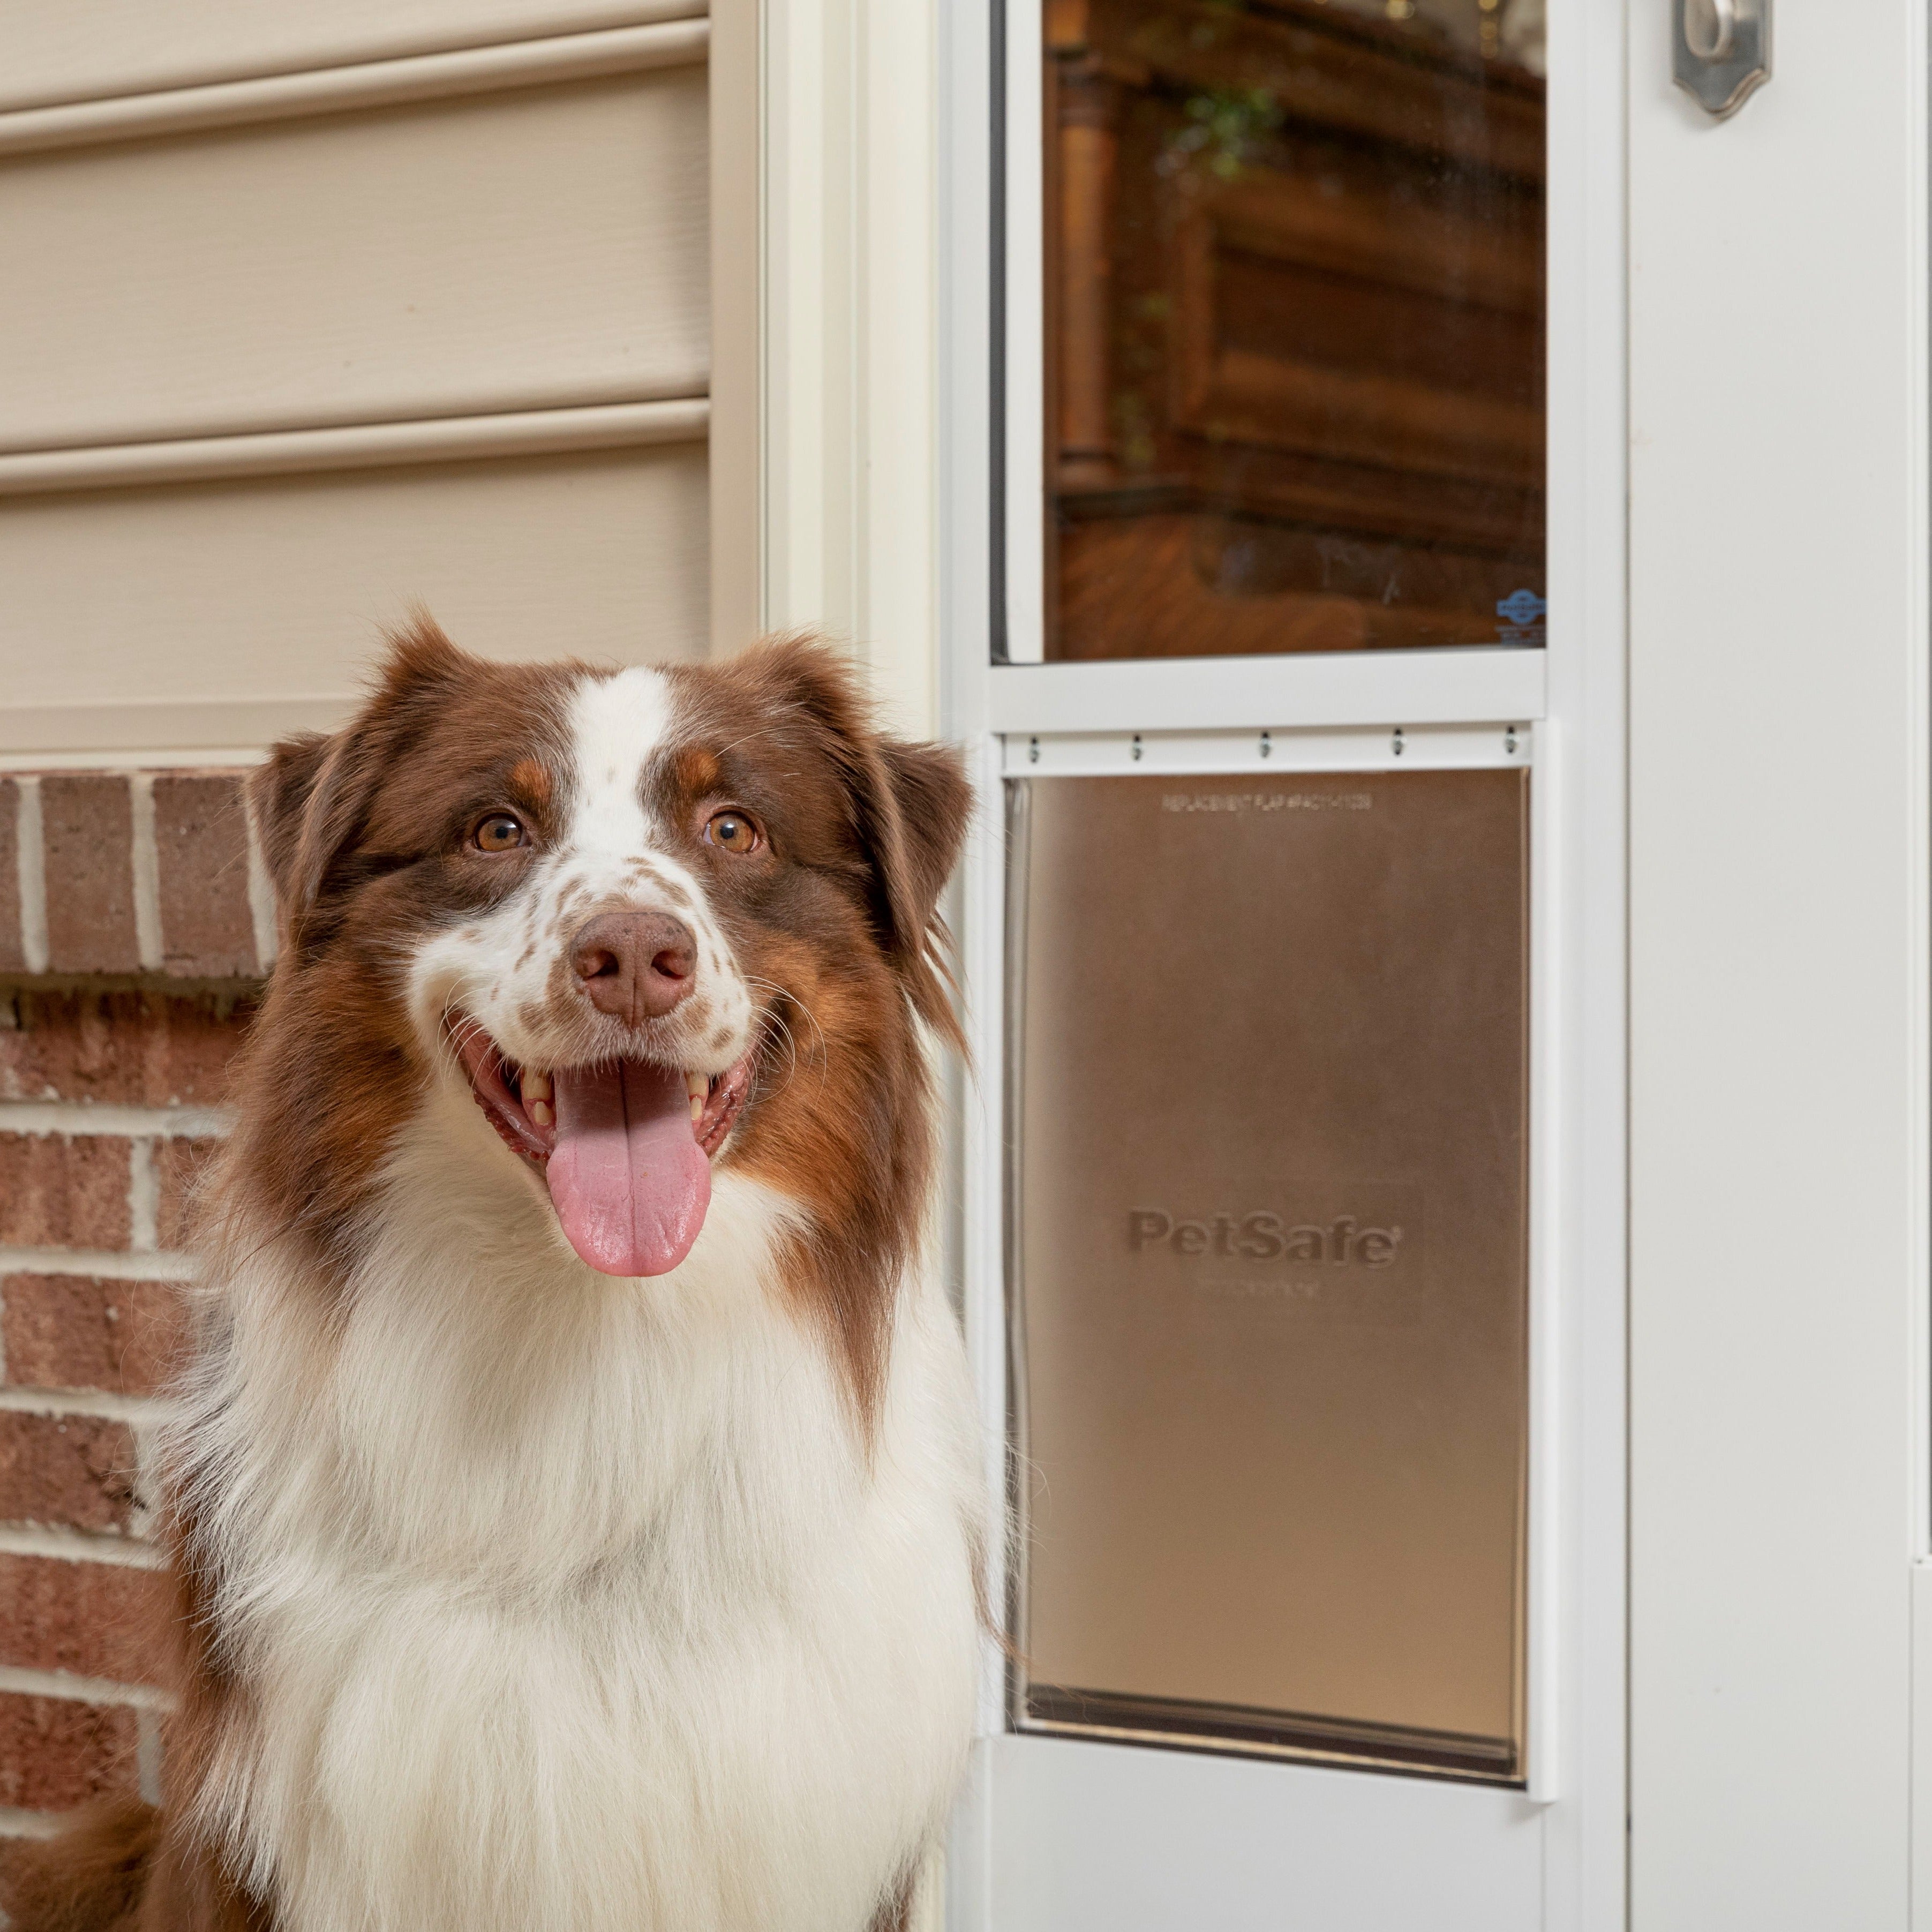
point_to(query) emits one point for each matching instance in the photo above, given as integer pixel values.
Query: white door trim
(1779, 980)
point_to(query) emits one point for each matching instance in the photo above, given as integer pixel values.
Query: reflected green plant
(1133, 431)
(1225, 127)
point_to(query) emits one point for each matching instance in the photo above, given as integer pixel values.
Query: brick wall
(134, 923)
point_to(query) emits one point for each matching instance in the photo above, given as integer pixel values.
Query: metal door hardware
(1721, 51)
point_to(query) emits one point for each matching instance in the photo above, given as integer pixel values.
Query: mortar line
(26, 1683)
(137, 1411)
(99, 1263)
(144, 1196)
(32, 855)
(78, 1546)
(146, 859)
(261, 896)
(75, 1117)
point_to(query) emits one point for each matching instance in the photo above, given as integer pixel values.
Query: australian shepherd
(575, 1501)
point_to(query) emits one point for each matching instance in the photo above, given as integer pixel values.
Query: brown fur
(362, 834)
(530, 784)
(91, 1878)
(841, 925)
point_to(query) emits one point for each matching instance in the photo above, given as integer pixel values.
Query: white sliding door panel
(1158, 249)
(1779, 908)
(188, 616)
(93, 48)
(517, 250)
(1234, 1843)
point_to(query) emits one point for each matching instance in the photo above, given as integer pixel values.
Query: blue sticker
(1522, 607)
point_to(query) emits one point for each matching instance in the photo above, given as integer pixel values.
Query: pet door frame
(1561, 709)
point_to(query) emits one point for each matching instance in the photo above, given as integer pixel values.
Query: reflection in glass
(1269, 1262)
(1295, 302)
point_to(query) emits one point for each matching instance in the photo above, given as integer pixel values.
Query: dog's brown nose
(634, 966)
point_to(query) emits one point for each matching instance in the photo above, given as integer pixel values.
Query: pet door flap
(1268, 1259)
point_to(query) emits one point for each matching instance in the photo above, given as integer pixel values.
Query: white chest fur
(564, 1602)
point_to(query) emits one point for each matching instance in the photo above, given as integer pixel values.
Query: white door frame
(1779, 983)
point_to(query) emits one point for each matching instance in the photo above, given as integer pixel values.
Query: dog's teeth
(536, 1087)
(541, 1114)
(697, 1085)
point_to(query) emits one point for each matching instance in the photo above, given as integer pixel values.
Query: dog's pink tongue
(629, 1182)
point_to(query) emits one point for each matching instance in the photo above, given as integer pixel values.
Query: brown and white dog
(576, 1503)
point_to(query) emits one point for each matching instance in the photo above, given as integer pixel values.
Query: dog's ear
(307, 803)
(277, 795)
(910, 804)
(924, 830)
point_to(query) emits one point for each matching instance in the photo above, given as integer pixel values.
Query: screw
(1267, 746)
(1138, 747)
(1396, 744)
(1509, 741)
(1033, 750)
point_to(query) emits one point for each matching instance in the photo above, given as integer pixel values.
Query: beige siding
(82, 50)
(505, 251)
(211, 602)
(540, 246)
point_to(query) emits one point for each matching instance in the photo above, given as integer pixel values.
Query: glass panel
(1295, 293)
(1270, 1201)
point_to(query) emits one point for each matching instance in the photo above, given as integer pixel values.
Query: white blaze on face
(617, 725)
(621, 853)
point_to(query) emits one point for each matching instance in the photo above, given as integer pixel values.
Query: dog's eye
(498, 833)
(734, 831)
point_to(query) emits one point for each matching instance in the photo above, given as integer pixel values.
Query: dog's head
(651, 920)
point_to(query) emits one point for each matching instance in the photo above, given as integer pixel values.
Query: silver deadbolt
(1722, 51)
(1710, 28)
